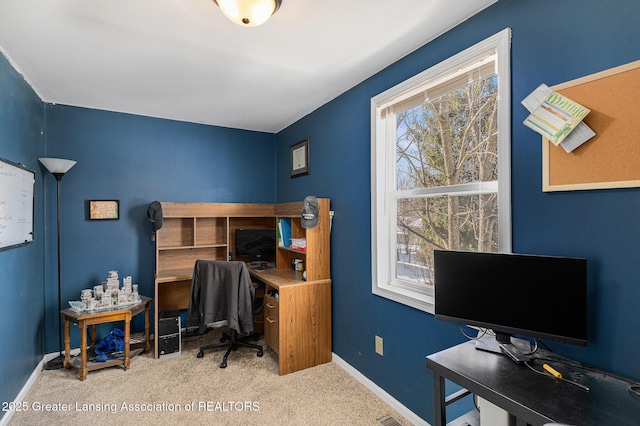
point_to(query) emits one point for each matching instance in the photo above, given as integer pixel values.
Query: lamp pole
(57, 167)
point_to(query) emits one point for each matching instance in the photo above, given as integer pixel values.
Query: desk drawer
(272, 322)
(271, 306)
(272, 333)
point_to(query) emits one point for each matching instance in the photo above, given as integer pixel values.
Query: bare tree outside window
(446, 142)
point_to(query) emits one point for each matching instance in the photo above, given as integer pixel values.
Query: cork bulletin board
(611, 159)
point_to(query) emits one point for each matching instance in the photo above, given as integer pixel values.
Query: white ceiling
(183, 60)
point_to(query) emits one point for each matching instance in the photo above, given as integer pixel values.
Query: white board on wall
(16, 204)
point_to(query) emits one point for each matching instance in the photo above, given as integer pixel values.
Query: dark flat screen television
(513, 294)
(255, 244)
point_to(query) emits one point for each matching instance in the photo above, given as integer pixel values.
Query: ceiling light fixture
(248, 13)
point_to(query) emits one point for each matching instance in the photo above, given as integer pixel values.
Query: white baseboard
(32, 378)
(381, 393)
(27, 386)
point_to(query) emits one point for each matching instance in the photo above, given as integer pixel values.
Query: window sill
(407, 297)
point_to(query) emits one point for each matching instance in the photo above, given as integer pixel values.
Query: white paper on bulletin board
(16, 204)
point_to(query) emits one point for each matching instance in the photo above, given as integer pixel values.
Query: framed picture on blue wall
(104, 209)
(300, 158)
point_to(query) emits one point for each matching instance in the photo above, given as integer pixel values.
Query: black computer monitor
(513, 294)
(255, 244)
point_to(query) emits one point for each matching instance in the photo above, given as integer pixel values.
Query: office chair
(222, 294)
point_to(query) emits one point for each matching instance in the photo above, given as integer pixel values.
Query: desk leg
(83, 350)
(439, 396)
(127, 341)
(147, 346)
(67, 345)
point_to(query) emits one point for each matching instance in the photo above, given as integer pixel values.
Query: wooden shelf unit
(193, 231)
(297, 325)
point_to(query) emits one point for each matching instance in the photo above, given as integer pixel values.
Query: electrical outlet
(379, 342)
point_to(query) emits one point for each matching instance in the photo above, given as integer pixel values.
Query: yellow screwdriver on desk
(552, 371)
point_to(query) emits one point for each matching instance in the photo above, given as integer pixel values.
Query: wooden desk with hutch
(298, 325)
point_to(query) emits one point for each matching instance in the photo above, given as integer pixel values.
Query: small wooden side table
(84, 320)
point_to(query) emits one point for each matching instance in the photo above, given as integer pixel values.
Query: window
(440, 161)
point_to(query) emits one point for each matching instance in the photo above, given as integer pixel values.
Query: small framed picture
(300, 158)
(104, 209)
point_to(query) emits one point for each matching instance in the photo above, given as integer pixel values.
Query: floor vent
(389, 421)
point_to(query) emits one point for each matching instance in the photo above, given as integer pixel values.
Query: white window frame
(383, 209)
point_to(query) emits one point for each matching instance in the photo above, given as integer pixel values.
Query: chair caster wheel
(256, 338)
(260, 353)
(223, 364)
(200, 354)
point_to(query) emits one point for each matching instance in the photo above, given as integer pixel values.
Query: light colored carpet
(188, 390)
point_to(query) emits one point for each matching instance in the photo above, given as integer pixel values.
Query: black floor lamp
(57, 167)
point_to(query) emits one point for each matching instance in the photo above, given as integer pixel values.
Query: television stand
(488, 343)
(517, 353)
(260, 265)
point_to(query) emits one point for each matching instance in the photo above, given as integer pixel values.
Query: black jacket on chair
(221, 291)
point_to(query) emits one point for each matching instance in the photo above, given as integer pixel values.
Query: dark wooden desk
(534, 398)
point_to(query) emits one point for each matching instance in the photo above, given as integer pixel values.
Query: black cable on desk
(591, 369)
(633, 388)
(484, 331)
(580, 385)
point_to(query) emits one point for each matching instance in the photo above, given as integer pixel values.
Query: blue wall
(137, 160)
(22, 268)
(552, 42)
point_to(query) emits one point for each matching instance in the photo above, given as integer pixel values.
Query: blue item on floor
(110, 345)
